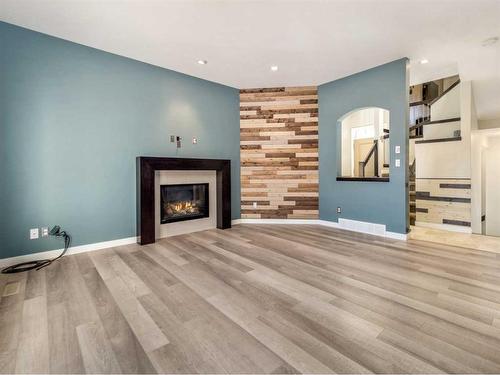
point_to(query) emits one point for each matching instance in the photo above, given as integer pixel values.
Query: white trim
(275, 221)
(331, 224)
(396, 236)
(72, 250)
(355, 226)
(345, 224)
(448, 227)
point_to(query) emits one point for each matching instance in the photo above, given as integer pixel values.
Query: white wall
(489, 124)
(447, 106)
(492, 186)
(486, 181)
(478, 144)
(442, 160)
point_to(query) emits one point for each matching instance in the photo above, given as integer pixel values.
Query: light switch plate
(397, 149)
(254, 204)
(45, 231)
(398, 163)
(339, 210)
(195, 140)
(33, 233)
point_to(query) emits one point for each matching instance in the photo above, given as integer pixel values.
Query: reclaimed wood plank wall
(279, 153)
(443, 201)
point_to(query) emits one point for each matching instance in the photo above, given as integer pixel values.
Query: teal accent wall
(385, 86)
(72, 121)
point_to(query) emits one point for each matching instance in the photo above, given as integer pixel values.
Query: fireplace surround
(146, 168)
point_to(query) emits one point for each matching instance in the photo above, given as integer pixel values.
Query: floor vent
(11, 289)
(361, 226)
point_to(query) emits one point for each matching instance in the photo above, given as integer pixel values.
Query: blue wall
(72, 121)
(386, 203)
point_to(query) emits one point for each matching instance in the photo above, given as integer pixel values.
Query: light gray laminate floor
(257, 299)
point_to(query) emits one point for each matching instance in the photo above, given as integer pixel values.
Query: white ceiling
(311, 41)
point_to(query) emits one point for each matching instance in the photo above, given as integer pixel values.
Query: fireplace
(148, 193)
(183, 202)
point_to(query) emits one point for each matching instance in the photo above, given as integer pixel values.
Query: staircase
(372, 159)
(440, 126)
(413, 195)
(436, 143)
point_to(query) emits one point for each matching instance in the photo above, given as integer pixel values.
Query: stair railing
(420, 112)
(373, 152)
(412, 168)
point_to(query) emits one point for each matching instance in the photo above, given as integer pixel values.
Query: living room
(231, 187)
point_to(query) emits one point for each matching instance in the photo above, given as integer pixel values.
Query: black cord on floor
(39, 264)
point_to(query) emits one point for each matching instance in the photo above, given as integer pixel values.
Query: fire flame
(182, 206)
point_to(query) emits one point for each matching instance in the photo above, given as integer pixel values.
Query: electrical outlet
(33, 233)
(45, 231)
(339, 210)
(254, 204)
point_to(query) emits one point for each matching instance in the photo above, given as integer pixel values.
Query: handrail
(412, 168)
(373, 151)
(416, 126)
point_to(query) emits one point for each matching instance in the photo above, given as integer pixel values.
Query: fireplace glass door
(183, 202)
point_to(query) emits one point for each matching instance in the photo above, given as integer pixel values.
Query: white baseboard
(72, 250)
(448, 227)
(351, 225)
(396, 236)
(275, 221)
(346, 224)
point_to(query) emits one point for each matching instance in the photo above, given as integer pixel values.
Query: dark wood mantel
(146, 167)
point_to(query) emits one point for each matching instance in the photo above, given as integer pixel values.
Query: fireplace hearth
(183, 202)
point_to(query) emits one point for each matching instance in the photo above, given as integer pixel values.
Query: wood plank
(128, 351)
(281, 125)
(32, 352)
(258, 299)
(98, 356)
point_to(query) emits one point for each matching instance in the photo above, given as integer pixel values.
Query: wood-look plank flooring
(257, 299)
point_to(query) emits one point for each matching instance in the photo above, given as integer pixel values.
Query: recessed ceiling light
(202, 62)
(489, 41)
(274, 68)
(424, 61)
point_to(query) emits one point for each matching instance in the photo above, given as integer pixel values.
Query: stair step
(386, 165)
(437, 140)
(416, 136)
